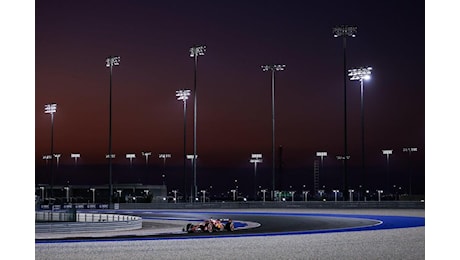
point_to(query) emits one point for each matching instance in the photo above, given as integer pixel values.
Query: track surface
(271, 223)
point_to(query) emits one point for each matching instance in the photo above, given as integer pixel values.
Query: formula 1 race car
(210, 225)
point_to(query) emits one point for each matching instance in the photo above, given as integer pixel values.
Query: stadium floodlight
(361, 74)
(57, 156)
(335, 194)
(388, 153)
(94, 195)
(47, 157)
(195, 51)
(351, 194)
(273, 68)
(305, 194)
(255, 159)
(130, 156)
(51, 108)
(146, 154)
(164, 156)
(379, 192)
(263, 192)
(322, 155)
(410, 150)
(183, 95)
(110, 62)
(75, 156)
(345, 31)
(111, 156)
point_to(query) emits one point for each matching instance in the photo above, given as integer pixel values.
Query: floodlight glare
(183, 94)
(360, 73)
(130, 156)
(111, 156)
(47, 157)
(412, 149)
(190, 156)
(50, 108)
(344, 30)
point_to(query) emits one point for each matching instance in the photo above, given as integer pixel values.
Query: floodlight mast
(183, 95)
(345, 31)
(410, 150)
(388, 153)
(51, 109)
(110, 62)
(255, 158)
(361, 74)
(195, 51)
(273, 68)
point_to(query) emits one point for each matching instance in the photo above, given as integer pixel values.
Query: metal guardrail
(85, 222)
(280, 204)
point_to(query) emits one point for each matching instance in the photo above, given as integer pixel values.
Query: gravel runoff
(405, 243)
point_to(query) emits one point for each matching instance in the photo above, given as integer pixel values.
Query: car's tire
(210, 227)
(230, 227)
(188, 228)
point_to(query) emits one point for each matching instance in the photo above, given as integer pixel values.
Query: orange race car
(210, 225)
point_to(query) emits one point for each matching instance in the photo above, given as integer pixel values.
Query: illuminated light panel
(275, 67)
(387, 151)
(112, 61)
(50, 108)
(183, 94)
(360, 73)
(344, 30)
(197, 50)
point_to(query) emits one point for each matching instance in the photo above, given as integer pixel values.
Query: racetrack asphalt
(298, 231)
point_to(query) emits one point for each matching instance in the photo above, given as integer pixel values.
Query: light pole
(263, 192)
(146, 154)
(164, 156)
(361, 74)
(43, 193)
(410, 150)
(255, 158)
(193, 158)
(344, 160)
(51, 109)
(67, 193)
(175, 195)
(322, 155)
(234, 194)
(195, 51)
(57, 156)
(335, 194)
(388, 153)
(345, 31)
(379, 192)
(130, 156)
(204, 195)
(110, 62)
(183, 95)
(351, 194)
(273, 68)
(305, 194)
(75, 156)
(46, 158)
(94, 196)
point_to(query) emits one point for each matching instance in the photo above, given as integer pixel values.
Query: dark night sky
(72, 40)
